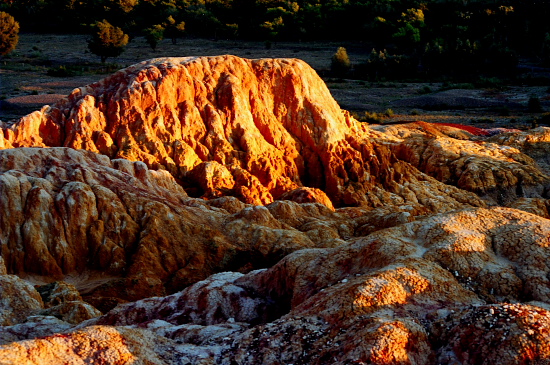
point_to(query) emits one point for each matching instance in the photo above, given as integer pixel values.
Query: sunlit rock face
(218, 210)
(253, 129)
(123, 231)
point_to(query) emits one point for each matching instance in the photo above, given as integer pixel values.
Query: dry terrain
(223, 210)
(25, 84)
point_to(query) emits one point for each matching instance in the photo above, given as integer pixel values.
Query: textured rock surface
(500, 173)
(18, 299)
(319, 240)
(431, 291)
(254, 129)
(33, 327)
(117, 229)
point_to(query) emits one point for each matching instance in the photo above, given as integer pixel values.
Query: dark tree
(107, 40)
(153, 35)
(173, 30)
(9, 33)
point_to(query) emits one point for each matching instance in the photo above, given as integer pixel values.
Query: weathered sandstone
(254, 129)
(431, 291)
(18, 300)
(500, 173)
(131, 230)
(225, 211)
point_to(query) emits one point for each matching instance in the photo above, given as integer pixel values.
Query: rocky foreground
(219, 210)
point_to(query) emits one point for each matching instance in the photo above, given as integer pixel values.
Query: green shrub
(490, 83)
(340, 64)
(153, 35)
(372, 117)
(60, 71)
(65, 71)
(503, 111)
(425, 90)
(382, 65)
(107, 40)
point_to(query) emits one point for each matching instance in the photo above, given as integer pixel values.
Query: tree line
(427, 36)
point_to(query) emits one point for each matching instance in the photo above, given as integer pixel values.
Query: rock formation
(431, 291)
(131, 230)
(500, 173)
(226, 211)
(254, 129)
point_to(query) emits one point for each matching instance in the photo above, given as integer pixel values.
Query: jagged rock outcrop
(498, 172)
(534, 143)
(431, 291)
(18, 300)
(131, 230)
(216, 127)
(254, 129)
(63, 301)
(134, 232)
(27, 313)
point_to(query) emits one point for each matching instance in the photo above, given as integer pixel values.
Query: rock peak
(254, 118)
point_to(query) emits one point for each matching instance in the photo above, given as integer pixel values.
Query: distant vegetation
(407, 37)
(9, 33)
(340, 64)
(107, 40)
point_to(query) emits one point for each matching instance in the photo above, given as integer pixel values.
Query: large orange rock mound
(254, 129)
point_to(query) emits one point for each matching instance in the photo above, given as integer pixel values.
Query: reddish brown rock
(123, 231)
(254, 129)
(18, 300)
(494, 334)
(497, 172)
(538, 206)
(63, 301)
(308, 195)
(408, 292)
(533, 143)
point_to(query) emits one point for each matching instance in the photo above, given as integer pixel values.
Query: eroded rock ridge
(217, 210)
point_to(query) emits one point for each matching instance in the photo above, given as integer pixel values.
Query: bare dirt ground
(27, 81)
